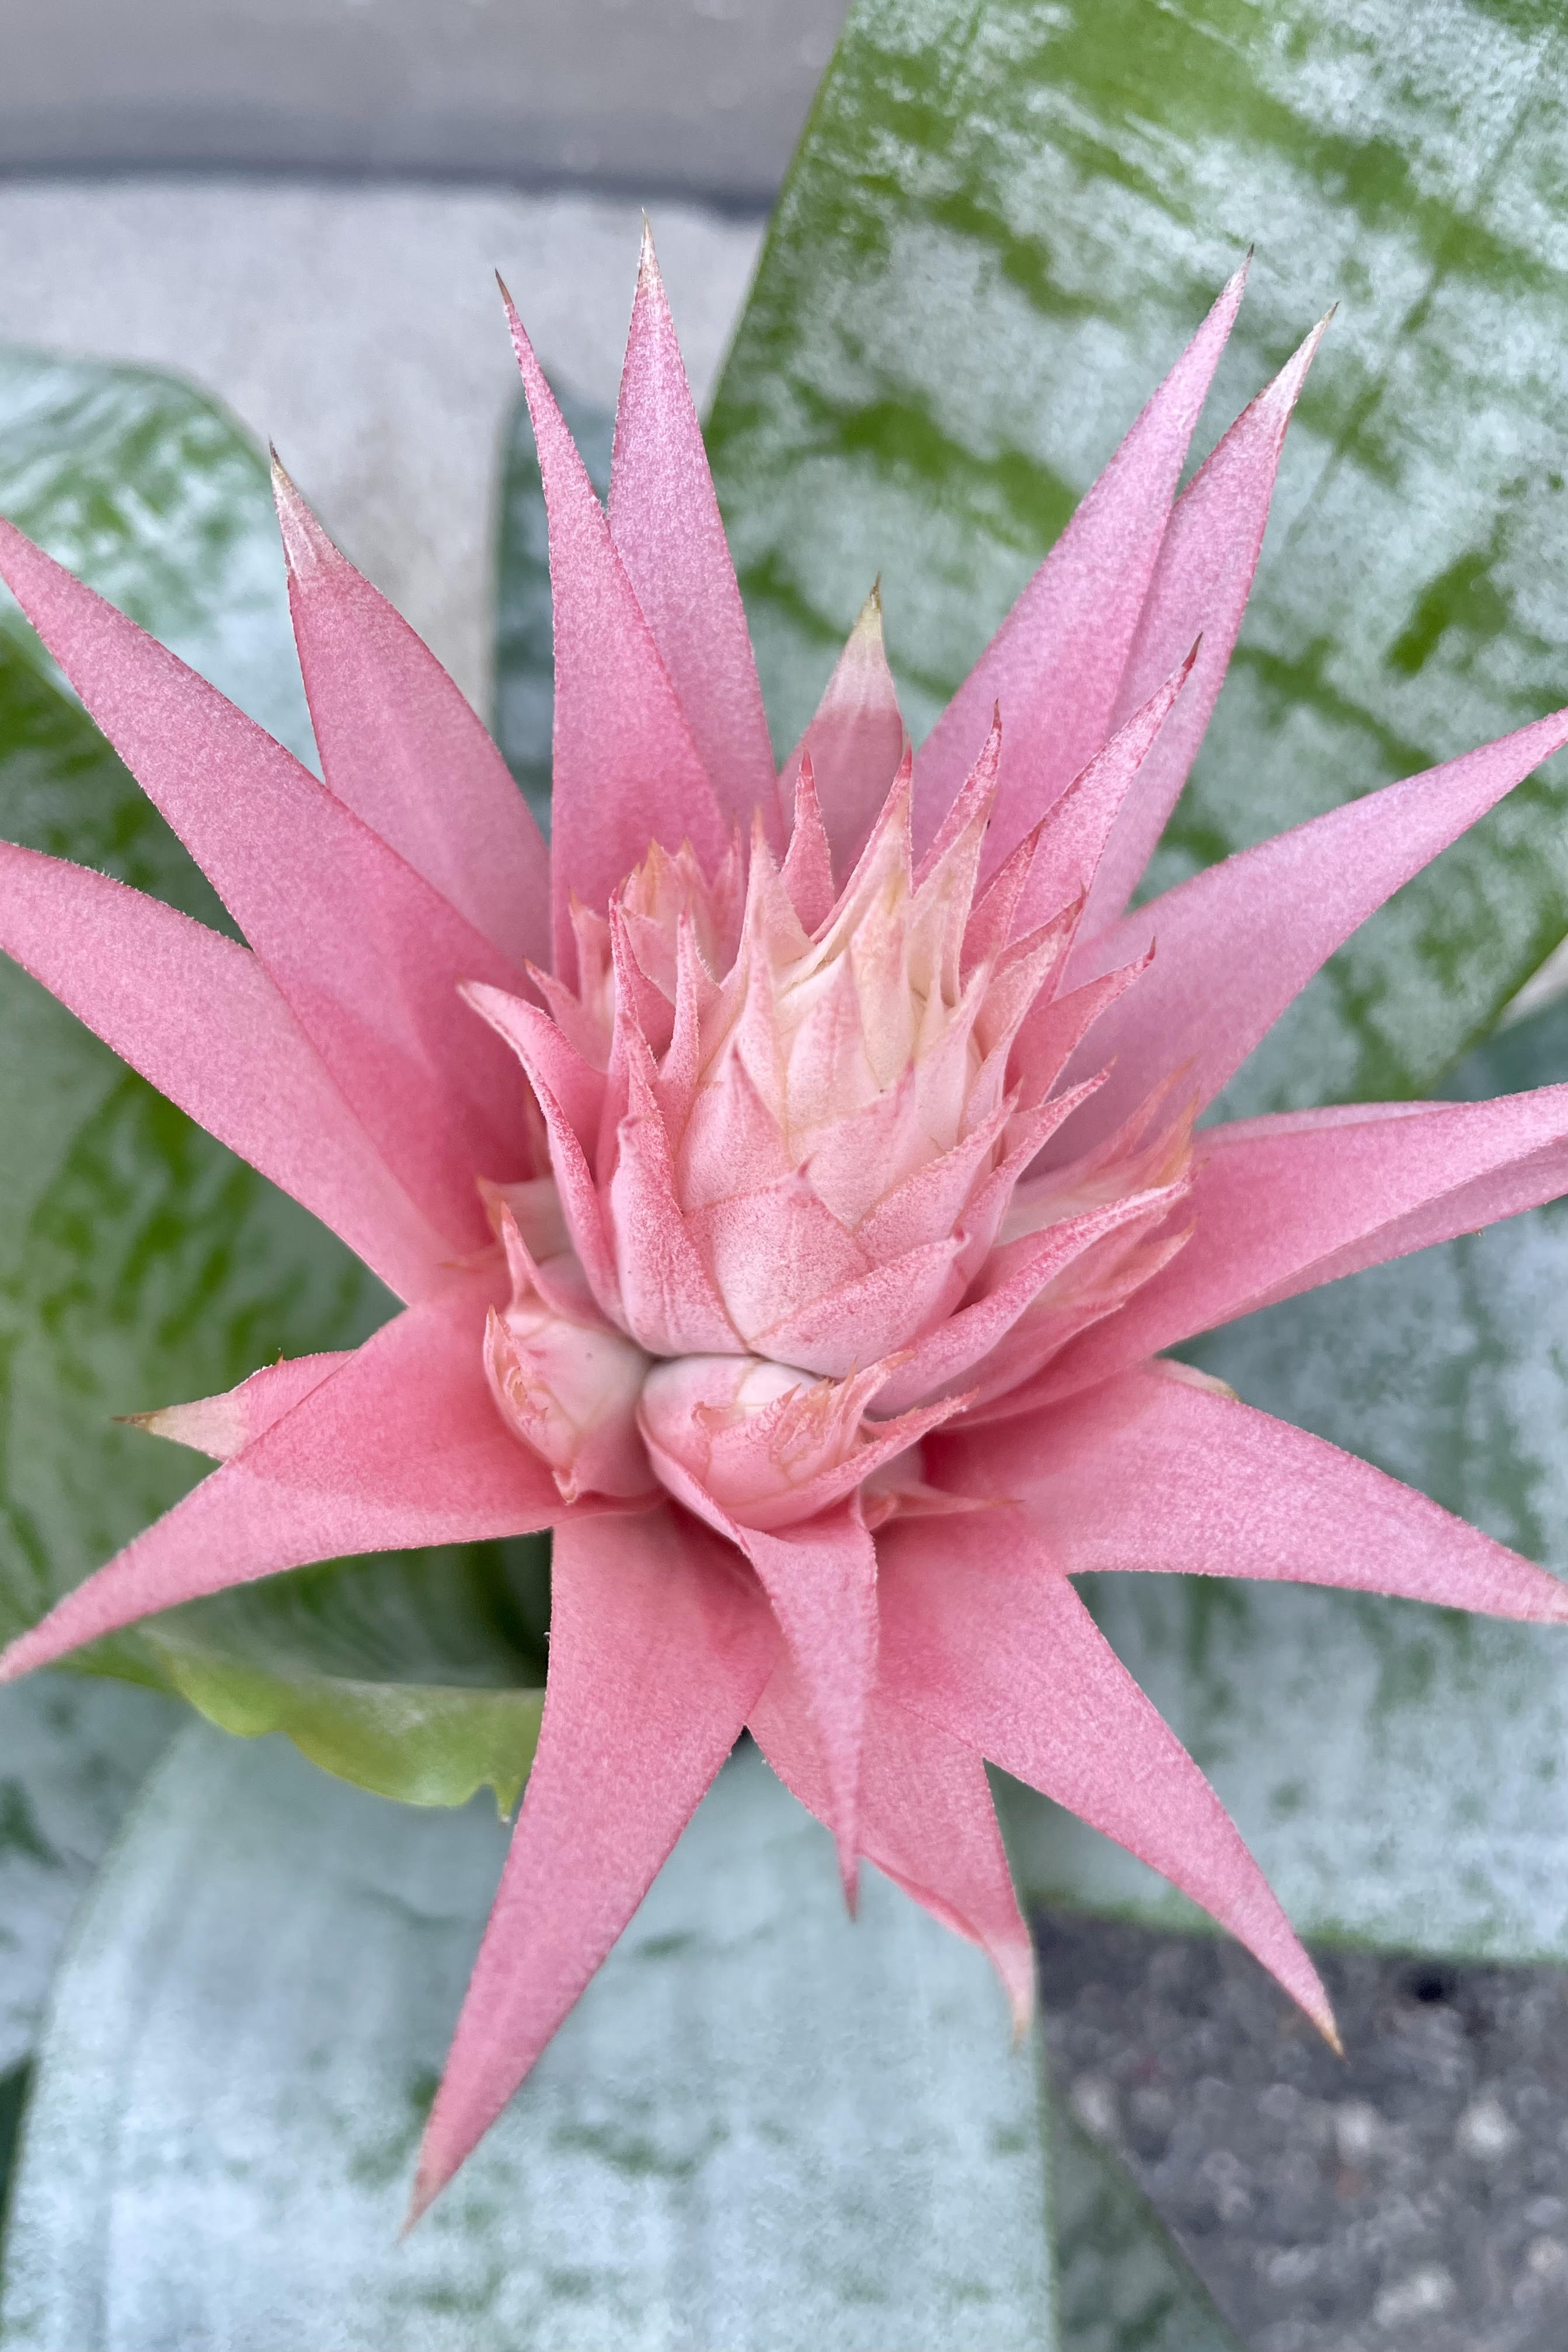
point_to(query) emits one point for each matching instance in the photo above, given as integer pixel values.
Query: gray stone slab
(1412, 2197)
(705, 96)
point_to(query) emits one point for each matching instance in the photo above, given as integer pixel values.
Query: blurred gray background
(357, 326)
(703, 96)
(301, 204)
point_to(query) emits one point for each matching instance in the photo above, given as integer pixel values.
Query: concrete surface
(705, 96)
(1412, 2197)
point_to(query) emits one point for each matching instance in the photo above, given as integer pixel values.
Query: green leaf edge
(418, 1743)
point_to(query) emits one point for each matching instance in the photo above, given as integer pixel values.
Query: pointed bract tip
(849, 1873)
(513, 319)
(647, 260)
(1223, 310)
(421, 2197)
(1331, 2032)
(865, 636)
(1229, 297)
(14, 1659)
(1281, 394)
(305, 542)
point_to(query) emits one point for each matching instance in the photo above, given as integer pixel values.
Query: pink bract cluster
(809, 1277)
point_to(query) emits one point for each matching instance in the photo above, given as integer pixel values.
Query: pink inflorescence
(811, 1276)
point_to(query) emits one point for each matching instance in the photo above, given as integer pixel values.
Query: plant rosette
(792, 1180)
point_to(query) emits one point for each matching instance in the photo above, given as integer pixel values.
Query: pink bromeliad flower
(791, 1180)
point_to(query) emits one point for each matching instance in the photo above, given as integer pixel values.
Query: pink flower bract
(791, 1180)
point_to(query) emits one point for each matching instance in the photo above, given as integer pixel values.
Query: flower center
(799, 1137)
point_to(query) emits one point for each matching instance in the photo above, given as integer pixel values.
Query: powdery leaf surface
(760, 2126)
(1003, 223)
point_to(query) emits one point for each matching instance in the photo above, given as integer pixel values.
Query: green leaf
(525, 645)
(14, 2088)
(147, 489)
(417, 1675)
(1122, 2284)
(140, 1262)
(1400, 1772)
(760, 2126)
(1003, 220)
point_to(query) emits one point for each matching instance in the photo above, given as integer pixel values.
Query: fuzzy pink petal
(991, 921)
(196, 1014)
(580, 1205)
(972, 803)
(820, 1574)
(929, 1203)
(773, 1253)
(1049, 1035)
(1284, 1204)
(1151, 1471)
(750, 1481)
(926, 1818)
(1200, 587)
(984, 1636)
(627, 771)
(732, 1143)
(945, 1355)
(664, 518)
(400, 1446)
(368, 956)
(871, 1317)
(821, 1578)
(1073, 837)
(808, 870)
(400, 744)
(1056, 664)
(1239, 941)
(548, 1057)
(660, 1645)
(223, 1426)
(856, 741)
(668, 1297)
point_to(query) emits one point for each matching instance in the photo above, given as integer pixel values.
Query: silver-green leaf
(761, 2126)
(1004, 219)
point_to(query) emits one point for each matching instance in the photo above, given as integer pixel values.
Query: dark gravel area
(1410, 2198)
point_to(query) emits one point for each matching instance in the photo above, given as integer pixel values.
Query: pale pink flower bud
(566, 1383)
(769, 1445)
